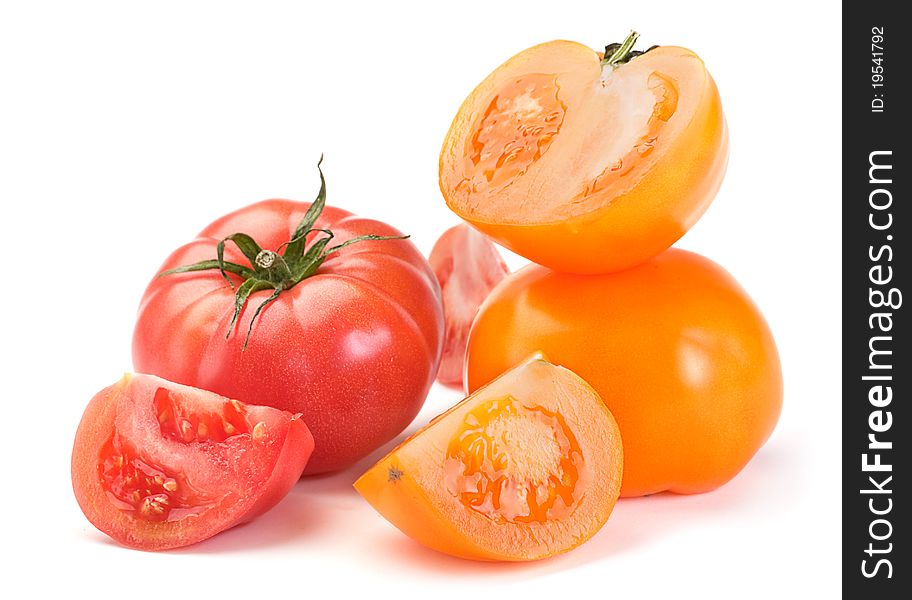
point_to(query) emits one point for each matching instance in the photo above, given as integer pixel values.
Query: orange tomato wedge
(586, 164)
(527, 467)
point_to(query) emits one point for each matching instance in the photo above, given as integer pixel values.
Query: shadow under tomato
(289, 521)
(635, 522)
(400, 551)
(640, 521)
(341, 482)
(98, 537)
(326, 510)
(315, 504)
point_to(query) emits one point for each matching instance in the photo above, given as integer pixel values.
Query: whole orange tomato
(675, 348)
(587, 162)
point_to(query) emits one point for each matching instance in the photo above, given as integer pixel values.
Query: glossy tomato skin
(239, 476)
(675, 347)
(353, 348)
(467, 266)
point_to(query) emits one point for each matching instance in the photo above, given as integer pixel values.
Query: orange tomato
(586, 164)
(674, 347)
(526, 467)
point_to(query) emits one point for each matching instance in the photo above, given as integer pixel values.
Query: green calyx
(620, 54)
(279, 270)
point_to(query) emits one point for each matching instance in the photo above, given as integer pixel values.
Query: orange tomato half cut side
(527, 467)
(585, 166)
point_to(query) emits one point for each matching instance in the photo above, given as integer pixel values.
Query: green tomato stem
(270, 269)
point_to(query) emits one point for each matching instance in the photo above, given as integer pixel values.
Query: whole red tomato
(302, 319)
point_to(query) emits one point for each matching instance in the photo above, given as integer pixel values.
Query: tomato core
(666, 103)
(148, 492)
(498, 466)
(515, 131)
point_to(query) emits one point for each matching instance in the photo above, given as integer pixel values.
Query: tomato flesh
(155, 493)
(666, 102)
(158, 465)
(514, 462)
(514, 131)
(146, 491)
(200, 425)
(525, 116)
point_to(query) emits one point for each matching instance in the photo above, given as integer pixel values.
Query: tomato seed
(259, 432)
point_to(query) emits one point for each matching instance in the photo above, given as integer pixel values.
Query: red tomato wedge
(158, 465)
(467, 266)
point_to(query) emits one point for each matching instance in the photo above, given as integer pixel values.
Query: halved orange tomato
(526, 467)
(583, 162)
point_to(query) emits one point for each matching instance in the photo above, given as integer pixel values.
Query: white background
(125, 129)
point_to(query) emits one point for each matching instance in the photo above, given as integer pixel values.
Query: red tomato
(354, 345)
(468, 266)
(158, 465)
